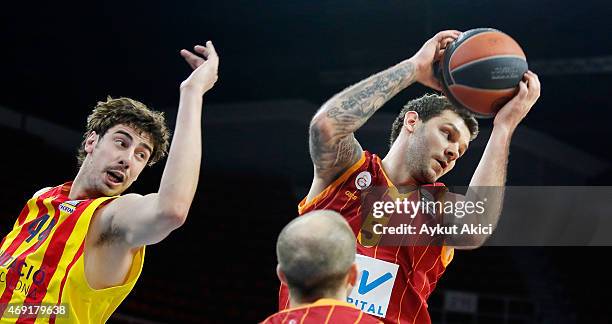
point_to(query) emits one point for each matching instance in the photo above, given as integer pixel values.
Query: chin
(108, 191)
(428, 176)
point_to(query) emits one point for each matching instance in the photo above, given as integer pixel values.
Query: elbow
(475, 241)
(175, 216)
(466, 242)
(321, 127)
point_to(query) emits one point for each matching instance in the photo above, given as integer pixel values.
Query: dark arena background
(279, 61)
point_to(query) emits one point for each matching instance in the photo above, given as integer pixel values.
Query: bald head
(315, 252)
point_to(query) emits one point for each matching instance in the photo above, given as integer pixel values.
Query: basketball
(481, 70)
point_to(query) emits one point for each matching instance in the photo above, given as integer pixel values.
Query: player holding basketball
(427, 138)
(79, 247)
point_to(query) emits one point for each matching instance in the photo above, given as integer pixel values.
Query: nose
(126, 160)
(452, 152)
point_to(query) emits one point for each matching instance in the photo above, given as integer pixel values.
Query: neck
(394, 165)
(78, 189)
(297, 301)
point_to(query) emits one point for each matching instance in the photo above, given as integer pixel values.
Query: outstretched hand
(432, 51)
(205, 66)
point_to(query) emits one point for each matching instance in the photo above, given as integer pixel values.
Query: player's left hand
(511, 114)
(205, 68)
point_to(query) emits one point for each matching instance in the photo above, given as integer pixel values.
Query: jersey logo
(373, 297)
(365, 287)
(363, 180)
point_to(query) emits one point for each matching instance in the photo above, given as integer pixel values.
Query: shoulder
(105, 212)
(119, 202)
(101, 225)
(275, 318)
(41, 191)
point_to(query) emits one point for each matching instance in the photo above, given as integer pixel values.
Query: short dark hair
(315, 252)
(429, 106)
(126, 111)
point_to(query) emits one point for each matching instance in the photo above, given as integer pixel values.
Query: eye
(447, 133)
(120, 142)
(141, 155)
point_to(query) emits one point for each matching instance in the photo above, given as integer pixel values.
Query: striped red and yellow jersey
(394, 280)
(322, 311)
(42, 263)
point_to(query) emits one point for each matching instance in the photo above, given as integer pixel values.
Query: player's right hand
(431, 52)
(205, 68)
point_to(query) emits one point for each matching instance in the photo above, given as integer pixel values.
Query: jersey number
(36, 227)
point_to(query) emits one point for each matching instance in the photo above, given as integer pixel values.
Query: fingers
(446, 41)
(443, 39)
(454, 34)
(207, 51)
(211, 49)
(533, 83)
(202, 50)
(523, 90)
(193, 60)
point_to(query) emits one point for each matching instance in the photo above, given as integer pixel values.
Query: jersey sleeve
(332, 189)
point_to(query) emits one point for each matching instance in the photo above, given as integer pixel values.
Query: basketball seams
(475, 38)
(461, 64)
(460, 43)
(493, 57)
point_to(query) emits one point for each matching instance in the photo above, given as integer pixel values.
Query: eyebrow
(455, 129)
(131, 139)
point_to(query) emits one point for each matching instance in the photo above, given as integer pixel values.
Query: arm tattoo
(335, 148)
(328, 154)
(352, 108)
(348, 148)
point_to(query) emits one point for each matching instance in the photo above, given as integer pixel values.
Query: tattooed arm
(333, 147)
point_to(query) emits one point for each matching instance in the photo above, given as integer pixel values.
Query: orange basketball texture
(481, 70)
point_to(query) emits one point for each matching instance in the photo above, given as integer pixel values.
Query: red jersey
(322, 311)
(394, 280)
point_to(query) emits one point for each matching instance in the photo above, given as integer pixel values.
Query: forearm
(180, 177)
(348, 110)
(487, 184)
(491, 170)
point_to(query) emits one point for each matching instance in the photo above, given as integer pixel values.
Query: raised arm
(141, 220)
(489, 178)
(333, 147)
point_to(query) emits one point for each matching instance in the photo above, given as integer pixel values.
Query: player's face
(116, 159)
(436, 146)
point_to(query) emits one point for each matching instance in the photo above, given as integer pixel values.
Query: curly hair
(132, 113)
(429, 106)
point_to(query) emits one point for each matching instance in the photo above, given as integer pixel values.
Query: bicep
(136, 220)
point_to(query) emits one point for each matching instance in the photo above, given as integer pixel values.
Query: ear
(410, 120)
(281, 275)
(91, 142)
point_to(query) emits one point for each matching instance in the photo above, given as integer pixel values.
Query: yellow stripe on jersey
(32, 212)
(89, 303)
(77, 237)
(35, 259)
(24, 246)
